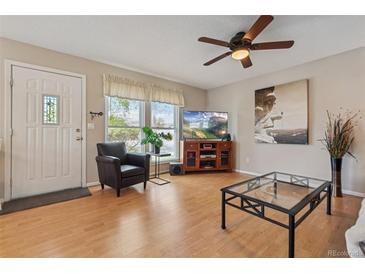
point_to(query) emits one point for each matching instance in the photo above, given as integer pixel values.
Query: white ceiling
(166, 46)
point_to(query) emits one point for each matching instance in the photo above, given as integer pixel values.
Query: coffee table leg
(223, 210)
(291, 236)
(329, 199)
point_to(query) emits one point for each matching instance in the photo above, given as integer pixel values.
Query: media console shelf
(204, 155)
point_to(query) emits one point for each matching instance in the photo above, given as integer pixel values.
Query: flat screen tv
(204, 124)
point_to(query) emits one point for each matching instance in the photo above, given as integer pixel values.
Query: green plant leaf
(154, 138)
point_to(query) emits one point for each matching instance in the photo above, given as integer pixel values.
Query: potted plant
(155, 139)
(338, 138)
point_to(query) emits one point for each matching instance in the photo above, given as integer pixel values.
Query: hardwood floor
(181, 219)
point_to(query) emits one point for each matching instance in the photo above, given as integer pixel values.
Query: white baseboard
(1, 204)
(344, 191)
(247, 172)
(353, 193)
(89, 184)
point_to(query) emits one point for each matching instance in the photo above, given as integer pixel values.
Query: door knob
(79, 138)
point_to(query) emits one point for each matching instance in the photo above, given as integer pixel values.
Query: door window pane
(51, 109)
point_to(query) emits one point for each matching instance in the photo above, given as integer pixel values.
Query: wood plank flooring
(181, 219)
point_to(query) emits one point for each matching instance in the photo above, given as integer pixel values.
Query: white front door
(46, 140)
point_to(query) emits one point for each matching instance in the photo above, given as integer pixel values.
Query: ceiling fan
(241, 44)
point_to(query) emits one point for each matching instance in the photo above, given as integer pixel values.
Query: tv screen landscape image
(204, 124)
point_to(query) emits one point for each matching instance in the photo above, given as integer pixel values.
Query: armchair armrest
(109, 170)
(141, 160)
(108, 160)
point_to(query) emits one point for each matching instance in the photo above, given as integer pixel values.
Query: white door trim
(8, 118)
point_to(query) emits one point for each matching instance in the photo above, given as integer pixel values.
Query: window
(50, 109)
(124, 122)
(164, 119)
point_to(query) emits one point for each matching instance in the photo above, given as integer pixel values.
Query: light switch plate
(90, 126)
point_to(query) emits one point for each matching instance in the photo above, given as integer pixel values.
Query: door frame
(8, 65)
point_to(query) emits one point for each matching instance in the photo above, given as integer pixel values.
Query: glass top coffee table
(287, 193)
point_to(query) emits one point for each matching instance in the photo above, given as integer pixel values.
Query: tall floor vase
(336, 165)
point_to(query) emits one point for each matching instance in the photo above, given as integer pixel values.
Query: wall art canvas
(281, 114)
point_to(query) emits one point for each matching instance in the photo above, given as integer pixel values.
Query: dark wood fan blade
(218, 58)
(258, 27)
(213, 41)
(246, 62)
(272, 45)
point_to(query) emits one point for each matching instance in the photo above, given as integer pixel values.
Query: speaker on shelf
(176, 168)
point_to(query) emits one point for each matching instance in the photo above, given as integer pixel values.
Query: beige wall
(9, 49)
(334, 82)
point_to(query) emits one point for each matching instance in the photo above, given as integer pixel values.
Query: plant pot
(156, 149)
(336, 166)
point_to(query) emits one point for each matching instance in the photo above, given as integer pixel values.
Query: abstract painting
(281, 114)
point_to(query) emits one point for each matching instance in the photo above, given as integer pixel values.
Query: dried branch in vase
(339, 133)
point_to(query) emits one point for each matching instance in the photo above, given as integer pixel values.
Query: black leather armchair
(119, 169)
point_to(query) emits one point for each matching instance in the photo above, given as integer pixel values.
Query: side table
(157, 169)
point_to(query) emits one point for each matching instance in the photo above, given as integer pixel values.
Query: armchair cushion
(130, 170)
(116, 149)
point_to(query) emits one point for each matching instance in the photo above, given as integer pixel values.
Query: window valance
(130, 89)
(165, 95)
(123, 87)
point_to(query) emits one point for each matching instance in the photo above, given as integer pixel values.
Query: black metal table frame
(157, 171)
(256, 207)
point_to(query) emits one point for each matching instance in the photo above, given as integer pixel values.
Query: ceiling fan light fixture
(240, 54)
(241, 44)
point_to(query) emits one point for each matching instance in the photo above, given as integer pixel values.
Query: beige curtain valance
(165, 95)
(130, 89)
(125, 88)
